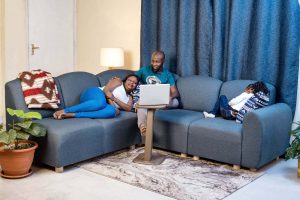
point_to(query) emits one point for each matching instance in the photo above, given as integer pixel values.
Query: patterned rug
(179, 178)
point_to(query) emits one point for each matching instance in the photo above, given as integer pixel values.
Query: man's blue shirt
(149, 77)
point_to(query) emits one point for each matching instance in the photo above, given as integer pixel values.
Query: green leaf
(21, 114)
(22, 136)
(4, 137)
(36, 130)
(12, 135)
(32, 115)
(25, 124)
(18, 113)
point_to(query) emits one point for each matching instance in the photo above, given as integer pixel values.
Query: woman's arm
(110, 86)
(124, 106)
(113, 105)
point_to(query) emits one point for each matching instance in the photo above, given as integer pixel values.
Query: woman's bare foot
(67, 115)
(143, 129)
(57, 114)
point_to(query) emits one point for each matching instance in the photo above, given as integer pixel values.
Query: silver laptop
(154, 94)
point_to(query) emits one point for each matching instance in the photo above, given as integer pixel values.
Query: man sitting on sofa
(156, 74)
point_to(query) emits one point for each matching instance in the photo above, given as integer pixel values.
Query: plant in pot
(293, 151)
(16, 151)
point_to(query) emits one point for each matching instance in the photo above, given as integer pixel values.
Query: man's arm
(173, 92)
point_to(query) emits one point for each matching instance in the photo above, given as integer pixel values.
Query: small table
(148, 157)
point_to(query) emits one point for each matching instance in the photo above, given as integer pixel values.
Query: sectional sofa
(262, 137)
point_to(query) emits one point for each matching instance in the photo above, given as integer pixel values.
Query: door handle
(33, 48)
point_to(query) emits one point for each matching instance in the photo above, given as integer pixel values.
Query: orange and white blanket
(39, 89)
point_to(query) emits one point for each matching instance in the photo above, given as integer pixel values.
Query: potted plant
(16, 151)
(293, 151)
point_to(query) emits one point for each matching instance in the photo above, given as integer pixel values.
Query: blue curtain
(226, 39)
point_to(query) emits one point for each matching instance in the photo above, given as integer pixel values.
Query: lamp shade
(111, 57)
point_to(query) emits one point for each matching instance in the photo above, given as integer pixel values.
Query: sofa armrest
(265, 134)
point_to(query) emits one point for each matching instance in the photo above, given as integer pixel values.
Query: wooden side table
(149, 157)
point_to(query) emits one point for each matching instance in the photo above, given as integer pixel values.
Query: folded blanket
(39, 89)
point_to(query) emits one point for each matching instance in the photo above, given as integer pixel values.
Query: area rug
(176, 177)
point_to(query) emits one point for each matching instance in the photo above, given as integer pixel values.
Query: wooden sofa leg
(236, 167)
(183, 155)
(132, 147)
(59, 169)
(253, 169)
(195, 157)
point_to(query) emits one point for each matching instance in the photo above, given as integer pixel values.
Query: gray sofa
(70, 141)
(261, 138)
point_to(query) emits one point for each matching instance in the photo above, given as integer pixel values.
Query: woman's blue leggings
(92, 105)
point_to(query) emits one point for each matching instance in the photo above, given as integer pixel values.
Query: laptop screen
(154, 94)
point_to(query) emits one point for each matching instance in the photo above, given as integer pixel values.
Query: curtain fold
(227, 40)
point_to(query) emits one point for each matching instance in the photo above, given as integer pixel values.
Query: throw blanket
(39, 89)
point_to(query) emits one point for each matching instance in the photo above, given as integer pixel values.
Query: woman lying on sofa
(96, 102)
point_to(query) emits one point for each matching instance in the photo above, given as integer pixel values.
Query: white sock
(208, 115)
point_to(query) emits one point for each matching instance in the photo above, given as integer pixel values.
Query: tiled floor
(279, 182)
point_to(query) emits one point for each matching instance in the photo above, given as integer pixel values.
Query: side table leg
(149, 135)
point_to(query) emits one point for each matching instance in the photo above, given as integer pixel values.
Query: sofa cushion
(198, 93)
(171, 128)
(70, 140)
(73, 84)
(216, 139)
(105, 76)
(120, 132)
(234, 88)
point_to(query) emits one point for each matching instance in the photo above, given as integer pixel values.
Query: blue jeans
(92, 105)
(223, 108)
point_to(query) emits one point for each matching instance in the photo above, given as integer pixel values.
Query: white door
(51, 35)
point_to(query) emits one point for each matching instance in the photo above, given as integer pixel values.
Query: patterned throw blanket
(39, 89)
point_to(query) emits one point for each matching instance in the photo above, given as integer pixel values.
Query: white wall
(1, 61)
(107, 23)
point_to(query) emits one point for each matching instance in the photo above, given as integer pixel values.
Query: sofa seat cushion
(217, 139)
(70, 140)
(120, 132)
(171, 128)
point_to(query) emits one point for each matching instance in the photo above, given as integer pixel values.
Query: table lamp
(111, 57)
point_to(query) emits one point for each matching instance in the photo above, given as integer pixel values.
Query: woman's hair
(130, 75)
(260, 86)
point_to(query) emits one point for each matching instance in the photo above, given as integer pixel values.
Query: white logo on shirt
(153, 80)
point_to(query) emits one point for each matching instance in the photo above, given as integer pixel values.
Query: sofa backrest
(73, 84)
(14, 99)
(105, 76)
(234, 88)
(197, 92)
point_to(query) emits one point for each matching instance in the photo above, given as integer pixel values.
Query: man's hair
(159, 52)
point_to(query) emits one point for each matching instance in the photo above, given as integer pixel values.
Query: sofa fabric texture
(263, 136)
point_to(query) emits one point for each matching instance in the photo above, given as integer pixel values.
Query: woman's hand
(109, 95)
(117, 111)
